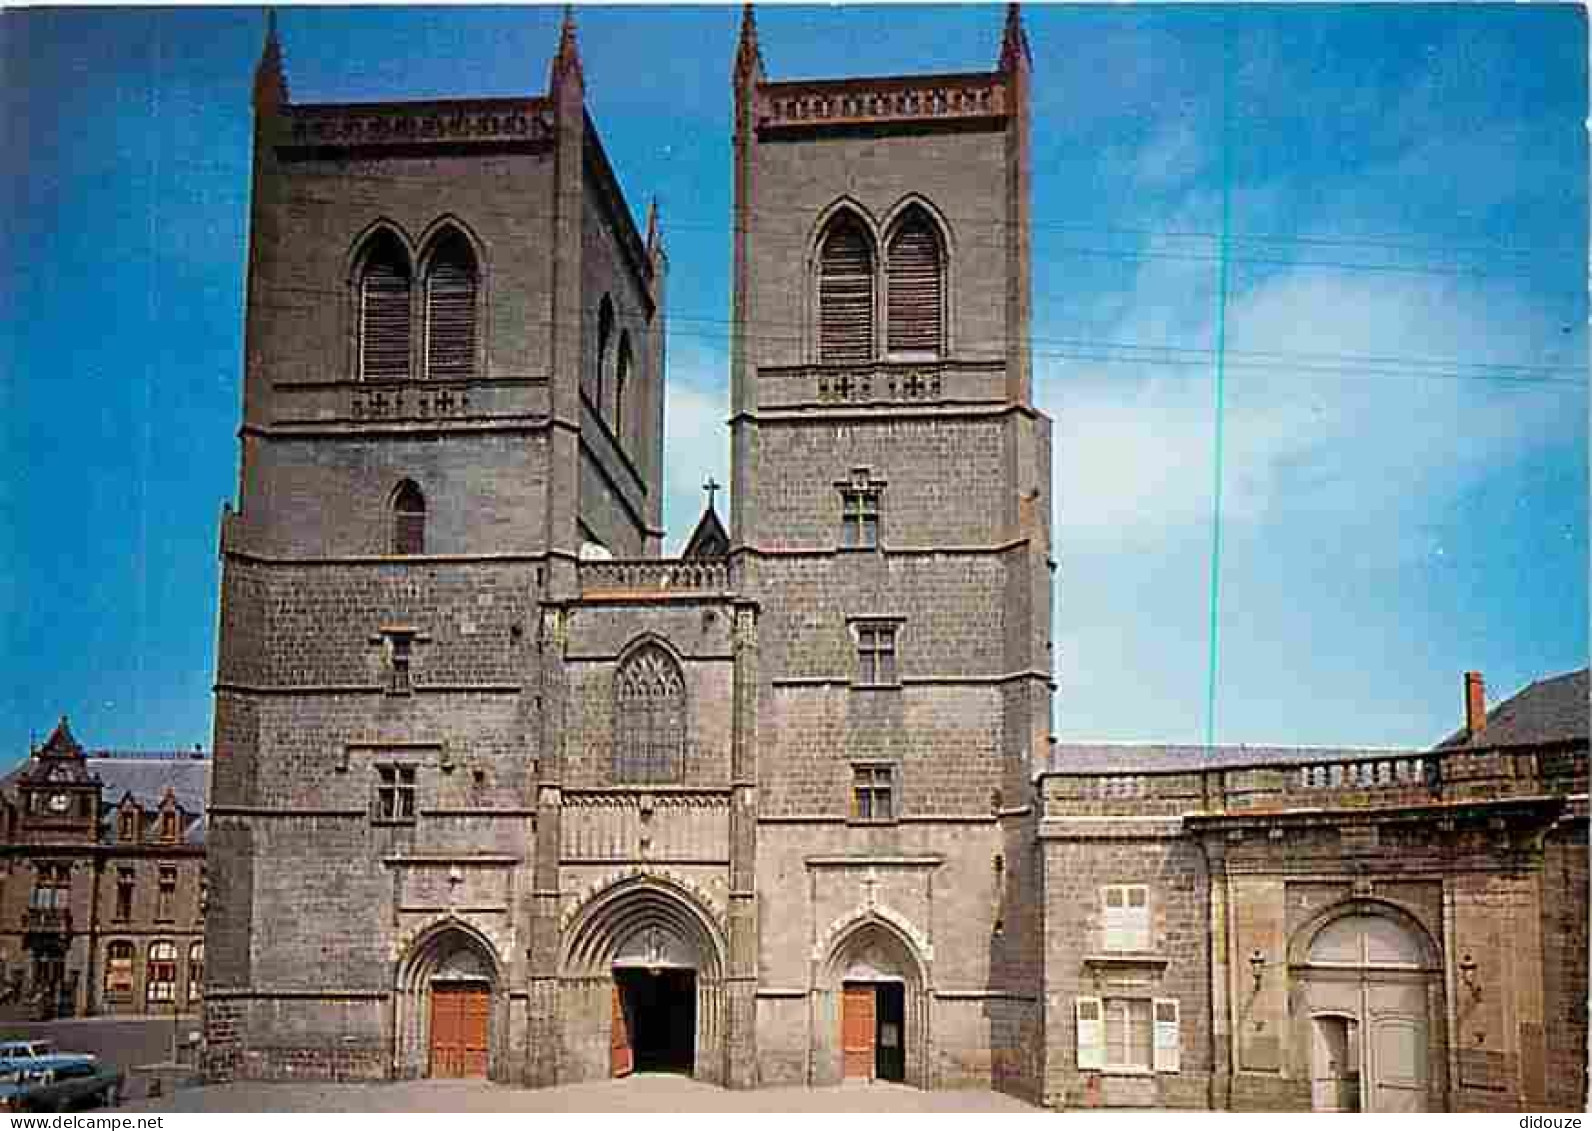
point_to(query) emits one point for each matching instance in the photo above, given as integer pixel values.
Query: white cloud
(1358, 439)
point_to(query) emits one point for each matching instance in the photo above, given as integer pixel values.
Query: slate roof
(1546, 710)
(144, 774)
(147, 779)
(1163, 758)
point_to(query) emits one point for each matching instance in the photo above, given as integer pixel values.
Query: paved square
(643, 1092)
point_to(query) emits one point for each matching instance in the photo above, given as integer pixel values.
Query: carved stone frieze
(421, 124)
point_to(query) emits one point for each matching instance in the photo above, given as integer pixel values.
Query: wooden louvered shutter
(450, 313)
(384, 317)
(914, 280)
(845, 295)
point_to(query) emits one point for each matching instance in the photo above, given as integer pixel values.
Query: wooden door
(1398, 1064)
(857, 1032)
(621, 1056)
(460, 1020)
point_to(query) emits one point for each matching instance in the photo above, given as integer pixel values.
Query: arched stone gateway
(870, 1006)
(448, 1013)
(643, 983)
(1369, 979)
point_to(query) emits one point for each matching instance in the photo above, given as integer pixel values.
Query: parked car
(16, 1055)
(71, 1082)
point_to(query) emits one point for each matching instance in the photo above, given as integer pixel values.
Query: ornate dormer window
(169, 823)
(129, 822)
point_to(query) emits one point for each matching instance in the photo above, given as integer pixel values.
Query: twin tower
(499, 790)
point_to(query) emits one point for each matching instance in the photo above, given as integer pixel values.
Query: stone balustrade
(654, 575)
(1369, 773)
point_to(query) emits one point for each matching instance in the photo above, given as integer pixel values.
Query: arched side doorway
(644, 984)
(447, 1016)
(870, 1013)
(1371, 983)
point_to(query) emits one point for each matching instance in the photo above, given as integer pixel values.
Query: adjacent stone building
(500, 791)
(102, 881)
(1337, 930)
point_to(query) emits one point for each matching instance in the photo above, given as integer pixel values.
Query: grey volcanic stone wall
(950, 439)
(325, 916)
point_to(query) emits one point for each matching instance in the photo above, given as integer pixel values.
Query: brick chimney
(1475, 705)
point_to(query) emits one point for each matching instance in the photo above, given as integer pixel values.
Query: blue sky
(1404, 390)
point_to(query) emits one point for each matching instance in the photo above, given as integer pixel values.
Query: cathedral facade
(501, 791)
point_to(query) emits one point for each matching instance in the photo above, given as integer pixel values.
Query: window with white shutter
(384, 311)
(1091, 1033)
(451, 281)
(914, 287)
(1126, 917)
(845, 293)
(1168, 1036)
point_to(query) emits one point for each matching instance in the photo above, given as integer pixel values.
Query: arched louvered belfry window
(605, 338)
(621, 383)
(408, 519)
(649, 731)
(915, 288)
(384, 310)
(845, 292)
(451, 284)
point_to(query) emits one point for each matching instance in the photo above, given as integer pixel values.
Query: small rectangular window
(166, 894)
(124, 895)
(395, 793)
(400, 665)
(1127, 917)
(876, 653)
(859, 518)
(52, 889)
(873, 792)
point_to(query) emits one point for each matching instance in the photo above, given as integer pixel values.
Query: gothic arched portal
(870, 1006)
(643, 985)
(448, 1019)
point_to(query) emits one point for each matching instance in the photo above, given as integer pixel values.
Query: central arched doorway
(1370, 980)
(644, 968)
(654, 1004)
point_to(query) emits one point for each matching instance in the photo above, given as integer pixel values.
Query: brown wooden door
(460, 1017)
(621, 1056)
(857, 1032)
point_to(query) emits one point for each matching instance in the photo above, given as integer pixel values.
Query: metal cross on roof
(711, 488)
